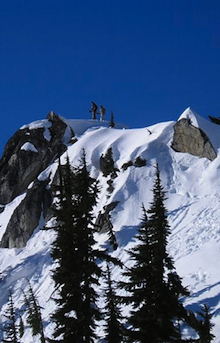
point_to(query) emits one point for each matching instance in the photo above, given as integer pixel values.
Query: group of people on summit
(94, 110)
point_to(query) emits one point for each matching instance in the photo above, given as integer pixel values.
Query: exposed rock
(103, 222)
(107, 164)
(26, 216)
(126, 165)
(110, 188)
(190, 139)
(30, 150)
(20, 166)
(140, 162)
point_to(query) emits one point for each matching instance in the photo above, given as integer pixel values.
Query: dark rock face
(29, 151)
(107, 164)
(190, 139)
(103, 222)
(26, 216)
(19, 166)
(140, 162)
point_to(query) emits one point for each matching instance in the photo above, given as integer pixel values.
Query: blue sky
(145, 60)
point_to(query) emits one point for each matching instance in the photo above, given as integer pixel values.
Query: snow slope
(193, 202)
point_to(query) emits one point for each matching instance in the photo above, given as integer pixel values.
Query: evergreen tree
(153, 286)
(112, 120)
(77, 272)
(111, 235)
(21, 327)
(114, 329)
(34, 318)
(205, 326)
(10, 329)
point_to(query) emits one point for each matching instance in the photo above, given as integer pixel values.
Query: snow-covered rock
(29, 147)
(190, 138)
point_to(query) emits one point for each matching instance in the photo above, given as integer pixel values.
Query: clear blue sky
(145, 60)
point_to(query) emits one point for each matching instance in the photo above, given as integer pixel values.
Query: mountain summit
(187, 152)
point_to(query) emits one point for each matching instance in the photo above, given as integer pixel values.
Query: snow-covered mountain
(192, 186)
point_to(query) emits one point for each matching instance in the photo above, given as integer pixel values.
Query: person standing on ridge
(94, 108)
(102, 113)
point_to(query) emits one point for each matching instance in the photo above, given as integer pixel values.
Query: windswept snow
(37, 125)
(29, 147)
(193, 202)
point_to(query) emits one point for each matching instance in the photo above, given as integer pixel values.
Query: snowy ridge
(193, 202)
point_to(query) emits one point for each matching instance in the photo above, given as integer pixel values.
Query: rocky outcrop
(30, 150)
(26, 216)
(190, 139)
(107, 164)
(27, 153)
(103, 223)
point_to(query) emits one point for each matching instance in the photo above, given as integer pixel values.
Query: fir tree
(112, 121)
(77, 273)
(21, 327)
(153, 286)
(111, 236)
(10, 329)
(114, 329)
(34, 318)
(205, 326)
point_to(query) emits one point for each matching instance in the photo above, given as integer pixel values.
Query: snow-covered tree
(153, 286)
